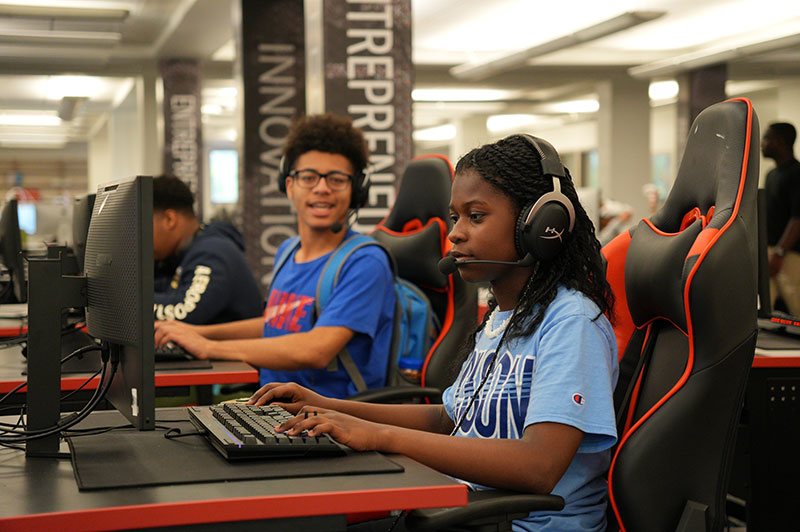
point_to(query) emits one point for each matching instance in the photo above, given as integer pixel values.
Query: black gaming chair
(415, 232)
(685, 284)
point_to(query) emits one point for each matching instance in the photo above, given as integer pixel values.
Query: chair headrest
(721, 153)
(424, 193)
(417, 253)
(711, 169)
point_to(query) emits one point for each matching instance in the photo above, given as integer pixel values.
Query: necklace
(490, 330)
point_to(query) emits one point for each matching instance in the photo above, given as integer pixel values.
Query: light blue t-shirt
(565, 372)
(363, 300)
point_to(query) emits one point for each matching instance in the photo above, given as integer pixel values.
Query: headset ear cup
(543, 236)
(520, 228)
(284, 168)
(360, 192)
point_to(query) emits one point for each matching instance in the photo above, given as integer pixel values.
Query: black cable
(72, 419)
(396, 520)
(11, 341)
(12, 392)
(175, 432)
(79, 388)
(77, 352)
(80, 351)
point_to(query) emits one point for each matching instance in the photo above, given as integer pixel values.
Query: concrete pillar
(788, 108)
(148, 124)
(99, 156)
(624, 141)
(471, 133)
(697, 89)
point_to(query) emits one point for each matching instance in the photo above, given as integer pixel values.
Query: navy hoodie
(208, 280)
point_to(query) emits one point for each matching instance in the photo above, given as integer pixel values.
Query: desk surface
(41, 494)
(776, 350)
(12, 365)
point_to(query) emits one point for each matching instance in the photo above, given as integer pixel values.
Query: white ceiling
(35, 51)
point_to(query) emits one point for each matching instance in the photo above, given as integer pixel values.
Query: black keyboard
(248, 431)
(171, 353)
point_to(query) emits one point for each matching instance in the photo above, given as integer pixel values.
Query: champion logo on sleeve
(578, 399)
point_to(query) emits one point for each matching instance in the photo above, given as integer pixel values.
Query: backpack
(415, 326)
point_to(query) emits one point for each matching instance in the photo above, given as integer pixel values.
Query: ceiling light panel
(64, 9)
(706, 22)
(459, 95)
(29, 118)
(437, 133)
(500, 25)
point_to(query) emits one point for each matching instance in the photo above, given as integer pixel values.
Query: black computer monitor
(118, 265)
(81, 216)
(11, 248)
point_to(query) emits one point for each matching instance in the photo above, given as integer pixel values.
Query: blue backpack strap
(281, 259)
(325, 285)
(330, 272)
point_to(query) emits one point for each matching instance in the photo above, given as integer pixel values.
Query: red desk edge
(761, 361)
(240, 509)
(183, 378)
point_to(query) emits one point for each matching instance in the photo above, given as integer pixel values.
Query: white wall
(125, 138)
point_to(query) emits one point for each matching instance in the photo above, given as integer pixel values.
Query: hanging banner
(271, 75)
(183, 139)
(368, 76)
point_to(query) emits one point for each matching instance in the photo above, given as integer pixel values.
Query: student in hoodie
(201, 275)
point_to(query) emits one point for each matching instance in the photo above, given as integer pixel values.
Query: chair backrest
(415, 232)
(685, 284)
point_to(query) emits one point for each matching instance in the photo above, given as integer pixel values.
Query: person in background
(324, 162)
(783, 215)
(532, 408)
(201, 275)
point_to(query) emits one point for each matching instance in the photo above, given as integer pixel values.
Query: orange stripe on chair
(702, 241)
(690, 217)
(615, 253)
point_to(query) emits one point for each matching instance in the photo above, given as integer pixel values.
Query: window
(224, 175)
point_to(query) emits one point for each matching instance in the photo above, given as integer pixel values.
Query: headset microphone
(449, 264)
(336, 227)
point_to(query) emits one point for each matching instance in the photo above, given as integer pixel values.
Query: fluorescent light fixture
(29, 118)
(571, 106)
(663, 90)
(67, 9)
(105, 38)
(480, 70)
(721, 53)
(436, 133)
(502, 123)
(459, 95)
(77, 86)
(497, 123)
(21, 143)
(211, 109)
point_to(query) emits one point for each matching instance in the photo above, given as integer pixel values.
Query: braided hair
(514, 168)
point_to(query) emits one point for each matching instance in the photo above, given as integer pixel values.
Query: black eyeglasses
(308, 178)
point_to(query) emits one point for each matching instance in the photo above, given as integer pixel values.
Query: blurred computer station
(675, 121)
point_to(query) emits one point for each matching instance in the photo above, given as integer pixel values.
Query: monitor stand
(50, 293)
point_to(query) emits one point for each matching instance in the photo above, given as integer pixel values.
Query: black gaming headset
(360, 188)
(543, 225)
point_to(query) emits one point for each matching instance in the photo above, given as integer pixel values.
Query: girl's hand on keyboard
(290, 396)
(354, 432)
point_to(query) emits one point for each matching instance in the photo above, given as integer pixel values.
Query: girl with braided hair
(532, 407)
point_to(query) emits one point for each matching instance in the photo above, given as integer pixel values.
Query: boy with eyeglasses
(322, 173)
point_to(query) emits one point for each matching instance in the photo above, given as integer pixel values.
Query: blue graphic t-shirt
(363, 301)
(565, 373)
